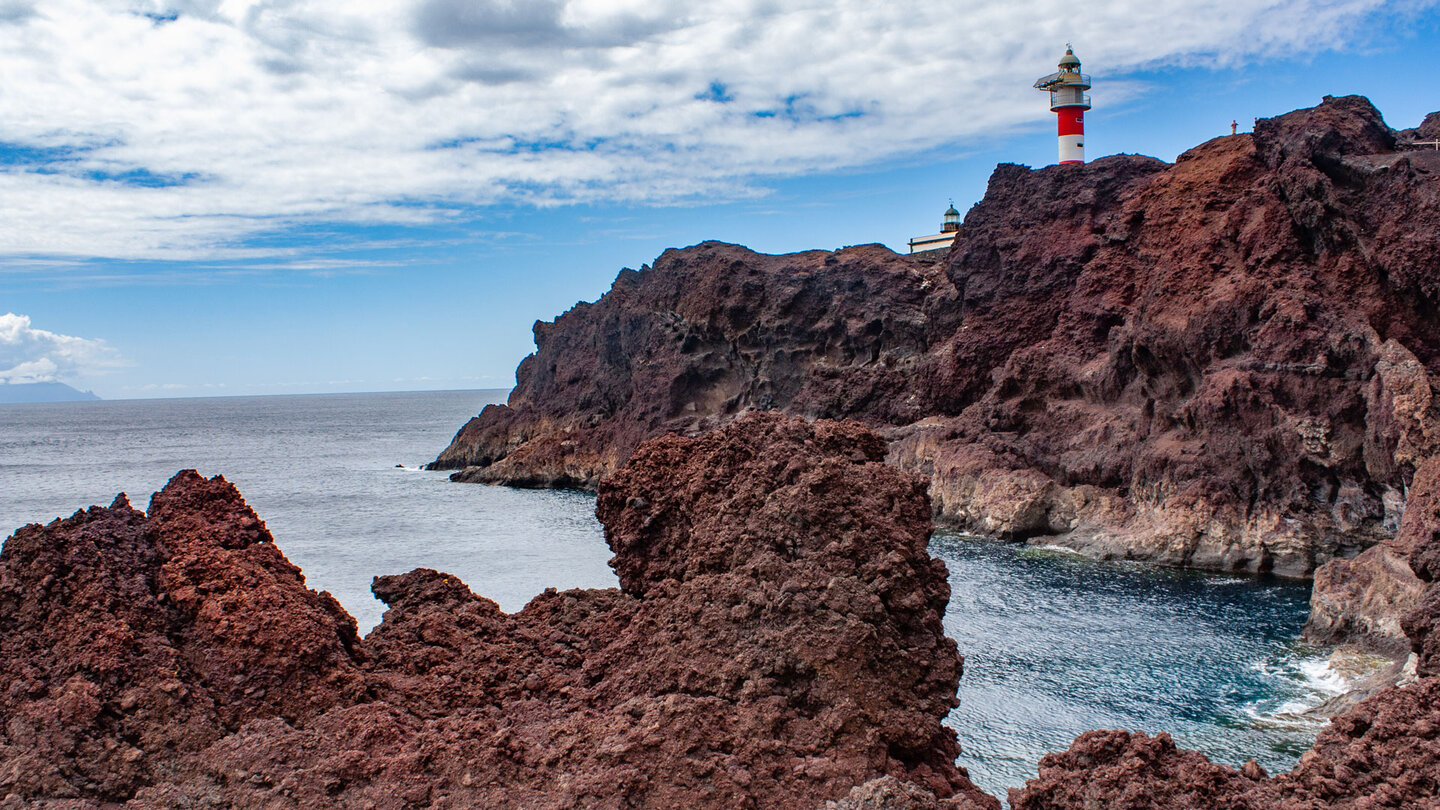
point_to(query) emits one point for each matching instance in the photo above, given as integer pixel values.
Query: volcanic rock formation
(1224, 363)
(1384, 753)
(775, 643)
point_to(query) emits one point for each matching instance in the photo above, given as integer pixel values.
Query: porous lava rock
(1223, 363)
(1383, 753)
(776, 642)
(128, 642)
(889, 793)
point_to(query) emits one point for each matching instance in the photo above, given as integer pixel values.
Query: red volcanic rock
(1421, 529)
(92, 685)
(129, 642)
(250, 629)
(1136, 772)
(1361, 602)
(889, 793)
(1383, 753)
(1223, 363)
(706, 333)
(776, 639)
(776, 642)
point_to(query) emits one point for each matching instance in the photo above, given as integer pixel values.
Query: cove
(1056, 644)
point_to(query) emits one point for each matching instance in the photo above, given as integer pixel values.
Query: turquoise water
(1054, 644)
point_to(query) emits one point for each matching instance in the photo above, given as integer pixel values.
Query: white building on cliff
(949, 229)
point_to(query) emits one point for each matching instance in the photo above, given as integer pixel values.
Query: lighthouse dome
(1069, 60)
(951, 222)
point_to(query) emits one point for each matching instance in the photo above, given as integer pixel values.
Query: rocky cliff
(776, 642)
(1224, 363)
(1383, 753)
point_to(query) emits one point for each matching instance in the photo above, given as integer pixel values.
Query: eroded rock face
(706, 333)
(1422, 531)
(1361, 603)
(1223, 363)
(1384, 752)
(776, 642)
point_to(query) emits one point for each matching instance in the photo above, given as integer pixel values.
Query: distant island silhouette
(14, 393)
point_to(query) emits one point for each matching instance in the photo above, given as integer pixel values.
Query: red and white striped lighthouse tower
(1069, 102)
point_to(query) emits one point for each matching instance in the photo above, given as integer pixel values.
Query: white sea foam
(1289, 715)
(1321, 675)
(1058, 549)
(1304, 683)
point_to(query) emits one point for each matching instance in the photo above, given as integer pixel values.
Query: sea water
(321, 472)
(1054, 644)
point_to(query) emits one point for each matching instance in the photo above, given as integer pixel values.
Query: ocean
(1054, 644)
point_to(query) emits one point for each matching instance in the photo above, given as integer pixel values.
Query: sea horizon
(251, 396)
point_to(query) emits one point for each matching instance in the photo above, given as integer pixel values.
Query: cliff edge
(1225, 363)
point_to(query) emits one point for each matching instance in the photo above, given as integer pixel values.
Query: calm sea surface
(1054, 644)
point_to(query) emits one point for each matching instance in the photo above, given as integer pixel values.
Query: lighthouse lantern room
(1069, 102)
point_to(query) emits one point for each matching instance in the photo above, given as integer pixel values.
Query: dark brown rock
(1223, 363)
(710, 331)
(1382, 753)
(247, 625)
(1135, 772)
(1421, 530)
(777, 641)
(889, 793)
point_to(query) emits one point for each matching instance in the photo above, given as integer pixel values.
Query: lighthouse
(949, 229)
(1069, 102)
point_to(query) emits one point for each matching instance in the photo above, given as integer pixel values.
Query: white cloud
(29, 355)
(175, 129)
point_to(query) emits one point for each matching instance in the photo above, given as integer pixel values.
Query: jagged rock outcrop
(776, 642)
(1384, 752)
(1224, 363)
(128, 643)
(707, 333)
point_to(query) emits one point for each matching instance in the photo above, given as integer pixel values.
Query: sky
(234, 197)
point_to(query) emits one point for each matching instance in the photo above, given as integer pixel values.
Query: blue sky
(212, 198)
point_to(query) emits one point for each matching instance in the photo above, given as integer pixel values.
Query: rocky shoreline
(1226, 363)
(776, 642)
(1382, 752)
